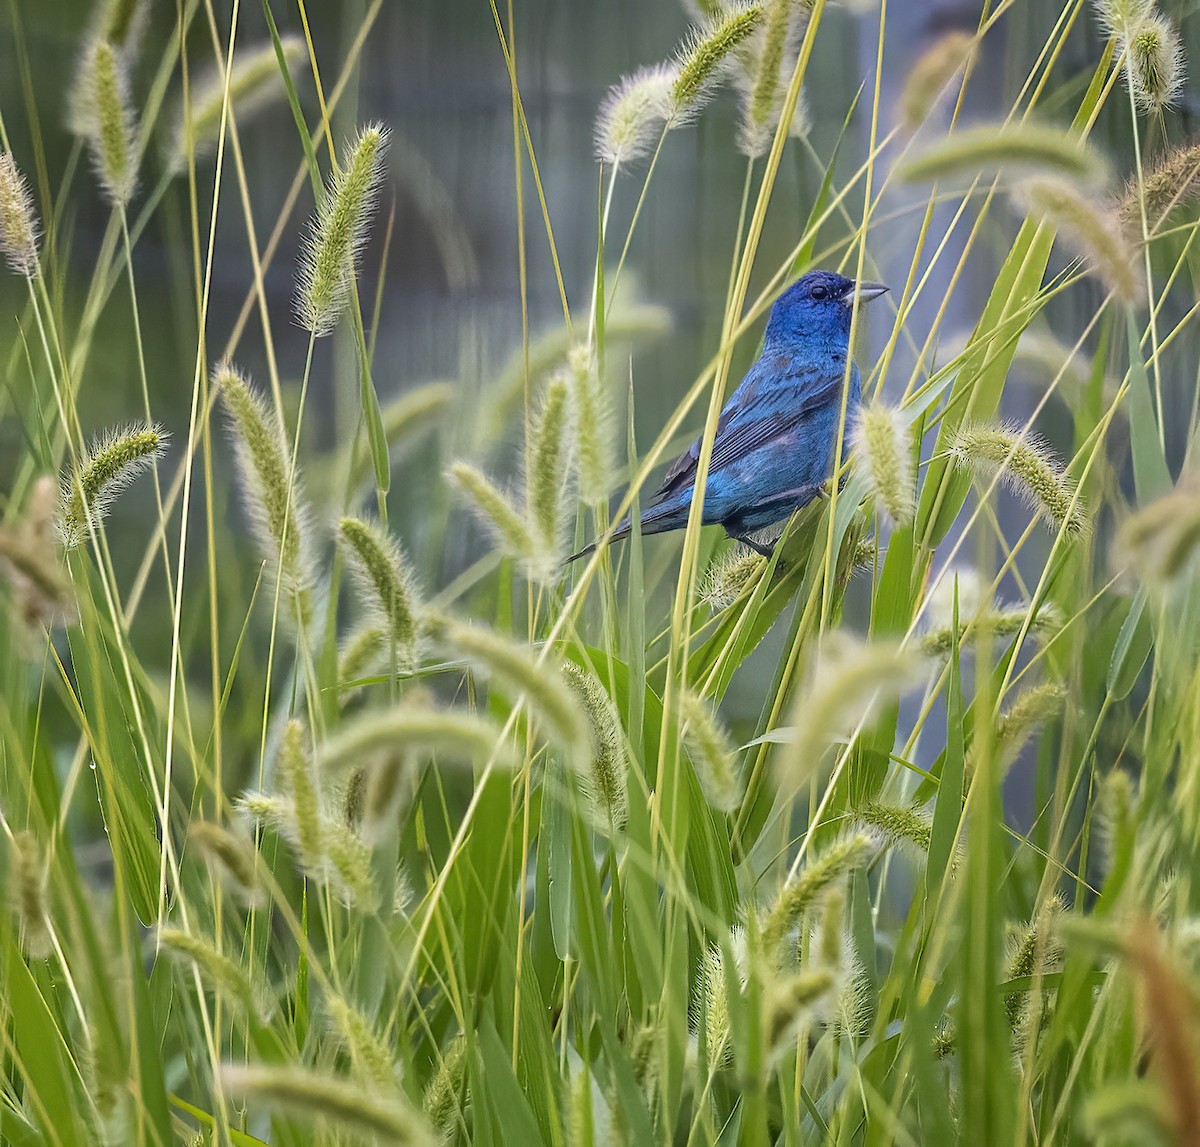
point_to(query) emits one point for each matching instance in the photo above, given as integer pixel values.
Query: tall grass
(297, 857)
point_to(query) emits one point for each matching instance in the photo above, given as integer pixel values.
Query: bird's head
(819, 304)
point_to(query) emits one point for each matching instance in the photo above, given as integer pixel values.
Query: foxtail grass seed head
(1170, 182)
(421, 729)
(1002, 623)
(767, 61)
(604, 779)
(883, 447)
(898, 824)
(634, 114)
(313, 1093)
(496, 510)
(1118, 17)
(29, 562)
(1161, 539)
(28, 876)
(217, 970)
(1025, 716)
(961, 586)
(713, 754)
(789, 1009)
(1092, 231)
(801, 894)
(517, 671)
(230, 856)
(372, 1058)
(111, 131)
(346, 866)
(338, 232)
(548, 493)
(18, 220)
(1026, 466)
(702, 59)
(712, 995)
(363, 653)
(934, 69)
(386, 581)
(444, 1098)
(729, 576)
(1116, 815)
(592, 416)
(849, 679)
(123, 22)
(386, 789)
(298, 781)
(1025, 148)
(110, 465)
(273, 494)
(254, 83)
(1154, 63)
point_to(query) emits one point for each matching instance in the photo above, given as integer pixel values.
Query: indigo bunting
(773, 450)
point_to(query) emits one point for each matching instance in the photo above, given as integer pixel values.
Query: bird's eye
(820, 292)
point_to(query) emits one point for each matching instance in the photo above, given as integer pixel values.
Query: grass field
(311, 835)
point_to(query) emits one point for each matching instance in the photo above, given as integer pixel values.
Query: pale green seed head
(729, 576)
(702, 59)
(387, 583)
(934, 69)
(634, 114)
(548, 488)
(108, 467)
(882, 445)
(254, 84)
(604, 780)
(111, 128)
(18, 220)
(339, 232)
(1154, 63)
(503, 520)
(278, 513)
(28, 877)
(712, 753)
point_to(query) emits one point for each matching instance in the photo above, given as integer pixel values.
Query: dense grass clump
(328, 816)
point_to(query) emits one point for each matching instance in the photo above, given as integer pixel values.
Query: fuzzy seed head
(604, 780)
(496, 510)
(712, 753)
(273, 493)
(373, 1061)
(110, 465)
(592, 416)
(1160, 540)
(935, 68)
(443, 1102)
(962, 585)
(1027, 467)
(1170, 182)
(230, 856)
(634, 114)
(27, 879)
(766, 62)
(729, 576)
(1154, 63)
(317, 1093)
(221, 973)
(1026, 147)
(702, 59)
(297, 781)
(1117, 17)
(1092, 230)
(385, 581)
(789, 1009)
(898, 825)
(1116, 811)
(514, 668)
(29, 562)
(882, 444)
(254, 83)
(548, 493)
(804, 892)
(1028, 713)
(1002, 623)
(18, 220)
(110, 125)
(338, 232)
(849, 679)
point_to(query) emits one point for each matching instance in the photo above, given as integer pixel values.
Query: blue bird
(773, 450)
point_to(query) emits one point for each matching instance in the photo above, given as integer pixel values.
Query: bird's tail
(656, 520)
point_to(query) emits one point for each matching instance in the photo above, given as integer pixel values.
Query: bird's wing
(744, 427)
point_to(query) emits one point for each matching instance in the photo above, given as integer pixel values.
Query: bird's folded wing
(742, 430)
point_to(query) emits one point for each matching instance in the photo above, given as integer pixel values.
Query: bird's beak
(865, 292)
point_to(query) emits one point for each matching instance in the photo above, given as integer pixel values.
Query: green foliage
(294, 858)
